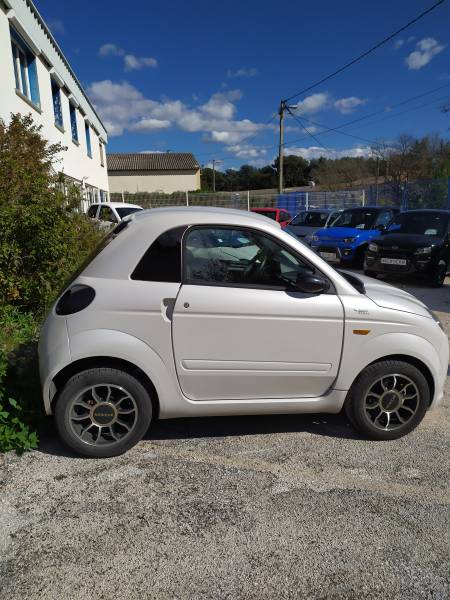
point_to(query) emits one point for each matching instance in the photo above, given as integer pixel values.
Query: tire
(102, 412)
(358, 261)
(373, 274)
(438, 276)
(368, 403)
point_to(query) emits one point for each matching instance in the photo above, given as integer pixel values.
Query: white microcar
(186, 312)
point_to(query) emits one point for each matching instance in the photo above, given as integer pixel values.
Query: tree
(42, 239)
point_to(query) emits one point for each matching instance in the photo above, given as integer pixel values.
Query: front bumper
(412, 264)
(342, 252)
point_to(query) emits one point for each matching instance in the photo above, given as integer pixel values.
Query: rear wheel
(388, 400)
(102, 412)
(438, 275)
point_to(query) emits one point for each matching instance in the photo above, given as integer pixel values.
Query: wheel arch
(63, 376)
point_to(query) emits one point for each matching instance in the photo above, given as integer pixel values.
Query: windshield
(310, 219)
(124, 211)
(420, 223)
(356, 219)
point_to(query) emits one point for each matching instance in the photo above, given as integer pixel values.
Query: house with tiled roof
(165, 172)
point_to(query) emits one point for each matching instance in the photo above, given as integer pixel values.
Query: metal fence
(293, 202)
(416, 194)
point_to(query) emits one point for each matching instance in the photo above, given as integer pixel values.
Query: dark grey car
(307, 222)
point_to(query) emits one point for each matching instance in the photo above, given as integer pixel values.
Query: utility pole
(281, 146)
(214, 175)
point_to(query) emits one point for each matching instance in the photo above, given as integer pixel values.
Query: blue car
(347, 240)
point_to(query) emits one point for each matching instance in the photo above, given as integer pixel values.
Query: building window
(73, 122)
(57, 108)
(24, 69)
(102, 157)
(88, 139)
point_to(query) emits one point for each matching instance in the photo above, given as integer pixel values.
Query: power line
(377, 112)
(367, 52)
(307, 130)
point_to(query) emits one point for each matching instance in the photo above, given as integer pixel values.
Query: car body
(305, 223)
(280, 215)
(347, 239)
(111, 213)
(186, 312)
(415, 242)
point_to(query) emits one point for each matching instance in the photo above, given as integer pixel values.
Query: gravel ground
(253, 507)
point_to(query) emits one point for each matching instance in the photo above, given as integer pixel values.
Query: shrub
(42, 239)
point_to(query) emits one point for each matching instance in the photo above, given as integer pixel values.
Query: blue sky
(207, 77)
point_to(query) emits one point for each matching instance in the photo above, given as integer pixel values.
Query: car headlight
(373, 247)
(426, 250)
(349, 240)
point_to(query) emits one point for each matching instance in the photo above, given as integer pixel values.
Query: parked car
(187, 312)
(416, 241)
(307, 222)
(111, 212)
(347, 239)
(279, 215)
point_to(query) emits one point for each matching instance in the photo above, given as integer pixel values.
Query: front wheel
(438, 275)
(102, 412)
(388, 400)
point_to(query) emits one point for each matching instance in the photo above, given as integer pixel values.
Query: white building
(165, 172)
(36, 78)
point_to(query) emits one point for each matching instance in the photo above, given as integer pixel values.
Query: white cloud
(246, 151)
(349, 104)
(317, 152)
(151, 152)
(110, 50)
(243, 72)
(313, 103)
(426, 49)
(398, 44)
(56, 26)
(147, 125)
(130, 61)
(123, 107)
(135, 63)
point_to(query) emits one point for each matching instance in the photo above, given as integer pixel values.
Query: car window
(162, 261)
(285, 216)
(421, 223)
(106, 214)
(92, 211)
(124, 211)
(383, 218)
(356, 218)
(310, 219)
(239, 257)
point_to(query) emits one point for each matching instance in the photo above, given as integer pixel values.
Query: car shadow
(333, 426)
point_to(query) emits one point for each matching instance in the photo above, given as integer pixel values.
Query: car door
(239, 331)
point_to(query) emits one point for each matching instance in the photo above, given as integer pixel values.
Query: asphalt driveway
(248, 507)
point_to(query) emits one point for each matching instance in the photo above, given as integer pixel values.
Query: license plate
(328, 255)
(393, 261)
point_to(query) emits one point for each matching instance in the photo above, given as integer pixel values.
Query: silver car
(202, 311)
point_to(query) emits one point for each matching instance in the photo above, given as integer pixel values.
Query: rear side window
(162, 261)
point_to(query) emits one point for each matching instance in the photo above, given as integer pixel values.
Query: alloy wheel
(103, 414)
(391, 402)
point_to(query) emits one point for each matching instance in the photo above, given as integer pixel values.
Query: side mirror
(381, 227)
(311, 284)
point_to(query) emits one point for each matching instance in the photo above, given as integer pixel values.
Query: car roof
(122, 205)
(266, 208)
(441, 211)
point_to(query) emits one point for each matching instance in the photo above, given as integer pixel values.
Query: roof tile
(157, 161)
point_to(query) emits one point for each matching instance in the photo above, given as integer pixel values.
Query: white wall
(160, 181)
(75, 161)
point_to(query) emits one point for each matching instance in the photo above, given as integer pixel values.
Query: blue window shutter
(73, 122)
(88, 139)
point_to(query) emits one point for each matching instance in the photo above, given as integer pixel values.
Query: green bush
(43, 240)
